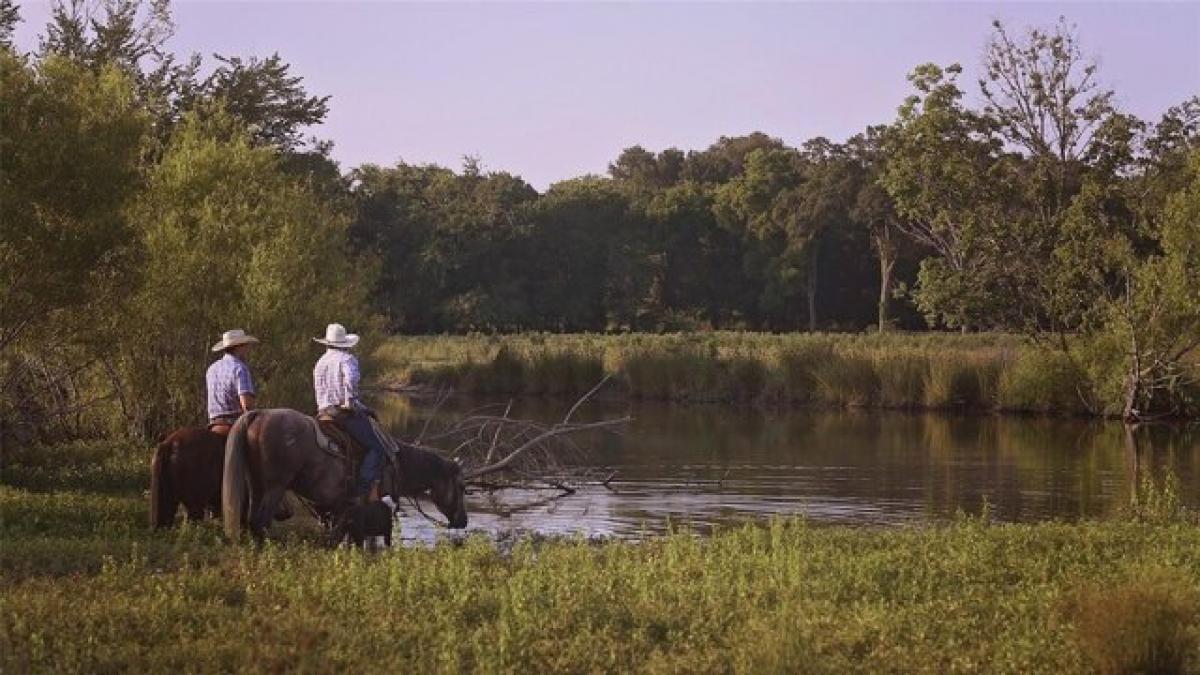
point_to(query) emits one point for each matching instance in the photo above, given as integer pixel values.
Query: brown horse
(186, 469)
(272, 451)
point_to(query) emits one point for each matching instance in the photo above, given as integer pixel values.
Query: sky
(550, 91)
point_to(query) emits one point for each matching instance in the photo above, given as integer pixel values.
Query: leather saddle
(350, 448)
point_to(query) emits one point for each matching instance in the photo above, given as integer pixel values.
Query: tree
(578, 228)
(10, 16)
(1160, 312)
(701, 261)
(1045, 100)
(267, 98)
(230, 239)
(1143, 324)
(642, 169)
(874, 211)
(112, 33)
(1044, 94)
(71, 143)
(133, 34)
(726, 158)
(764, 203)
(824, 200)
(952, 187)
(454, 246)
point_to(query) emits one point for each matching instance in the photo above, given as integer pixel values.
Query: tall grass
(88, 588)
(925, 371)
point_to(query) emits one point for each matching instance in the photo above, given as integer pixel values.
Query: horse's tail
(233, 482)
(163, 500)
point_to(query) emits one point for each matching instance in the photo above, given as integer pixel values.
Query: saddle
(350, 449)
(344, 446)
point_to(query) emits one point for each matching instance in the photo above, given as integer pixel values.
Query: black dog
(367, 520)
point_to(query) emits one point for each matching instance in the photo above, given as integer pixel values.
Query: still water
(705, 466)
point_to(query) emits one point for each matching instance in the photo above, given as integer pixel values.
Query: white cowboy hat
(233, 338)
(336, 336)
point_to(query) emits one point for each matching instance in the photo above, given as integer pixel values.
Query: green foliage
(264, 95)
(132, 36)
(10, 16)
(1044, 381)
(230, 240)
(653, 248)
(945, 173)
(1158, 499)
(71, 142)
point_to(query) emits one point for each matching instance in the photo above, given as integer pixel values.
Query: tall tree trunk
(887, 264)
(1133, 380)
(811, 285)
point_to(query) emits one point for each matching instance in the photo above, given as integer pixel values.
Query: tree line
(152, 200)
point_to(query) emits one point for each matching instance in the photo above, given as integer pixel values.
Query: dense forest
(151, 200)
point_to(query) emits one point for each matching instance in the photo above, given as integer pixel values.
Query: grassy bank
(925, 371)
(87, 588)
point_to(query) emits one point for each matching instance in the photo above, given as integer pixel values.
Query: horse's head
(448, 491)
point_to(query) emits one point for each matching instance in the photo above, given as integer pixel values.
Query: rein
(417, 506)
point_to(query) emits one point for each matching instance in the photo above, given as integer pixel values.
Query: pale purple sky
(552, 91)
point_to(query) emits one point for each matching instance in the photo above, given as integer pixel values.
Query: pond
(706, 466)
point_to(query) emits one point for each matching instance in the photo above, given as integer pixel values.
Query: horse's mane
(416, 458)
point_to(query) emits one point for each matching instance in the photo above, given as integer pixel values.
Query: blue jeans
(360, 427)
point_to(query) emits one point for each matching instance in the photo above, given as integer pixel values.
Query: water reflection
(706, 466)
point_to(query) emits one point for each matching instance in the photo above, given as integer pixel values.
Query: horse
(186, 469)
(271, 451)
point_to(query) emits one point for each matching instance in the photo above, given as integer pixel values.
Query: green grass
(907, 371)
(86, 588)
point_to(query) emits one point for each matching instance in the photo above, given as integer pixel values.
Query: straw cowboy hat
(336, 336)
(233, 338)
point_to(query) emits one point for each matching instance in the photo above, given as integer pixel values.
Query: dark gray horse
(272, 451)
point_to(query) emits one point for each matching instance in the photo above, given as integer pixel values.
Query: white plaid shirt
(335, 379)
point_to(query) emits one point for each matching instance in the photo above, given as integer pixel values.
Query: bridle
(417, 505)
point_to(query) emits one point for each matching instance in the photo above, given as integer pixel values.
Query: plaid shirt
(228, 378)
(336, 379)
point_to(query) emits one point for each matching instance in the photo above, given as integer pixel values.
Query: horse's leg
(265, 510)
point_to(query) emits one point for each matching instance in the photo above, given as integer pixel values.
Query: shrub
(1042, 381)
(1146, 625)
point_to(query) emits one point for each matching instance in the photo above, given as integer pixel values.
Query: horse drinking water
(272, 451)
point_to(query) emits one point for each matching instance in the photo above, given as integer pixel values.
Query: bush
(1143, 625)
(231, 240)
(1042, 381)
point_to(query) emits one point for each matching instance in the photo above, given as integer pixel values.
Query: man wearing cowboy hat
(230, 387)
(335, 379)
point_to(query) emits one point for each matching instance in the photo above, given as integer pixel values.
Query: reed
(917, 371)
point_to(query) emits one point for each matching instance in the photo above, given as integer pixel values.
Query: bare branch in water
(521, 453)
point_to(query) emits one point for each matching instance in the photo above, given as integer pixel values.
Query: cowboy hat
(336, 336)
(233, 338)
